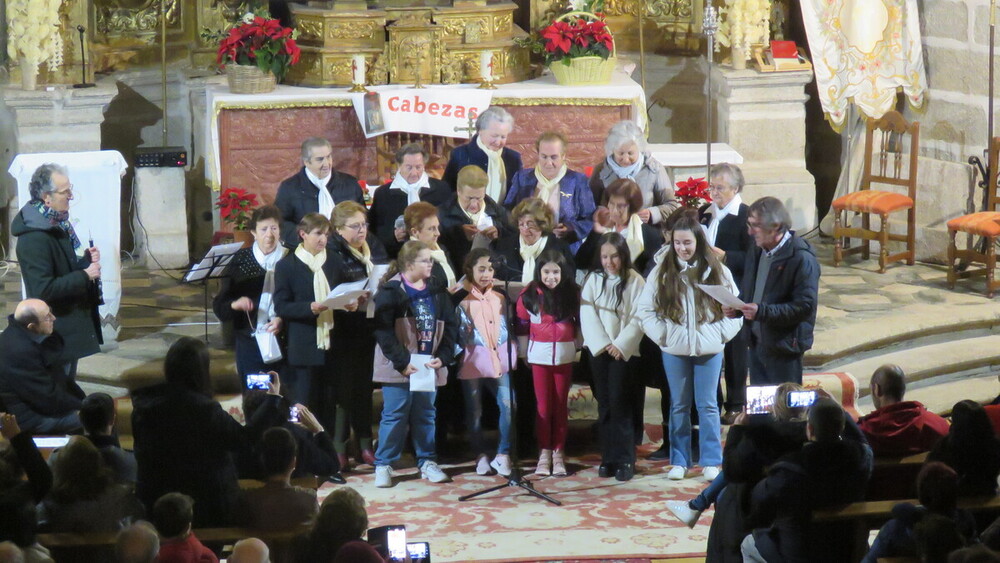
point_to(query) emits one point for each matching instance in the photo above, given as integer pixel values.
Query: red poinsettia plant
(260, 42)
(564, 40)
(235, 206)
(693, 192)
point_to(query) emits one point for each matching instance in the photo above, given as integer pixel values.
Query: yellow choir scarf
(438, 255)
(633, 236)
(321, 288)
(548, 188)
(528, 253)
(497, 186)
(365, 255)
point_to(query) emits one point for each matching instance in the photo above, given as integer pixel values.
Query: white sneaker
(502, 464)
(676, 473)
(383, 476)
(430, 471)
(711, 472)
(483, 465)
(683, 511)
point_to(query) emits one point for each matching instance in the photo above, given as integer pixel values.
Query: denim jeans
(709, 494)
(473, 390)
(696, 376)
(404, 411)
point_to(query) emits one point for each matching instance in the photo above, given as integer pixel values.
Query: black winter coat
(786, 314)
(733, 237)
(243, 277)
(392, 303)
(297, 197)
(453, 238)
(346, 268)
(293, 293)
(388, 205)
(53, 272)
(508, 248)
(18, 519)
(470, 153)
(33, 382)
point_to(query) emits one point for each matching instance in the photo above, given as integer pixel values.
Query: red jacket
(187, 550)
(550, 341)
(902, 428)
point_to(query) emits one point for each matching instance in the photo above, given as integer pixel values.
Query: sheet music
(344, 294)
(374, 280)
(219, 255)
(425, 379)
(722, 294)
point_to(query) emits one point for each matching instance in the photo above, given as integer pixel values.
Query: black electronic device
(161, 157)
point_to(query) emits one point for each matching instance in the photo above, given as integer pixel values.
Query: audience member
(85, 496)
(780, 289)
(832, 468)
(98, 417)
(278, 504)
(897, 427)
(974, 554)
(10, 553)
(25, 479)
(34, 385)
(936, 537)
(172, 516)
(341, 522)
(937, 488)
(184, 438)
(971, 449)
(315, 189)
(250, 550)
(139, 543)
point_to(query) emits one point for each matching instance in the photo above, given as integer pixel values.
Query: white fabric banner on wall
(95, 211)
(864, 50)
(430, 111)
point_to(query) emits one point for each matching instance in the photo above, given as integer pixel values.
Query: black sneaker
(625, 472)
(662, 454)
(606, 470)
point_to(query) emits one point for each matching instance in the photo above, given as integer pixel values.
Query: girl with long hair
(550, 305)
(612, 334)
(691, 331)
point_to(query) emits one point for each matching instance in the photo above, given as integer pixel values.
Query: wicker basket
(246, 79)
(584, 71)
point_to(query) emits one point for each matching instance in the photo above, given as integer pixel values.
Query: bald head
(250, 550)
(10, 553)
(888, 385)
(139, 543)
(35, 315)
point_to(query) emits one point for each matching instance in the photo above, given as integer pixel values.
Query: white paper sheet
(345, 293)
(722, 294)
(374, 279)
(426, 378)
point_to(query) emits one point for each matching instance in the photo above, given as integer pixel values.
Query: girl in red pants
(550, 305)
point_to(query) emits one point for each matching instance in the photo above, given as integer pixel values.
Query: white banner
(431, 111)
(865, 50)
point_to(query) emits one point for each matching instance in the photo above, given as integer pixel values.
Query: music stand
(515, 479)
(211, 267)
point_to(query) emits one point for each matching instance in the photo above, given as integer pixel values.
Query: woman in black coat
(185, 441)
(624, 201)
(534, 221)
(725, 222)
(247, 295)
(352, 253)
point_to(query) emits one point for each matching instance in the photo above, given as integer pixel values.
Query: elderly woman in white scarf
(624, 201)
(246, 297)
(487, 149)
(627, 157)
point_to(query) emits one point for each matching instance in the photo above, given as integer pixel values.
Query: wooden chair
(867, 201)
(985, 224)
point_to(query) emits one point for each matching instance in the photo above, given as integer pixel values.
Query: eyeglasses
(68, 191)
(718, 188)
(527, 225)
(358, 226)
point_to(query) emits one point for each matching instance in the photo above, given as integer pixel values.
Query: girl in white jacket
(612, 333)
(691, 330)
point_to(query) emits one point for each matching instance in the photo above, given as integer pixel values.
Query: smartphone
(389, 541)
(760, 398)
(420, 552)
(293, 414)
(801, 399)
(258, 380)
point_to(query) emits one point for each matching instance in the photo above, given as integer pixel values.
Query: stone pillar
(762, 115)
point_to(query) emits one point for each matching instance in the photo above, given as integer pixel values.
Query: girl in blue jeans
(691, 331)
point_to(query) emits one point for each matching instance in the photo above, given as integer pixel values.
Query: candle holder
(487, 85)
(358, 88)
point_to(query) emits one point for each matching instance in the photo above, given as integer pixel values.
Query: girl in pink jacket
(550, 305)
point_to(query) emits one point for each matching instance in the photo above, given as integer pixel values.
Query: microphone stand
(515, 479)
(83, 62)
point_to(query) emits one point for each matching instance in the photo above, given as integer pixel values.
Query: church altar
(254, 139)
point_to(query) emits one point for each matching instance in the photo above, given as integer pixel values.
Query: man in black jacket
(471, 217)
(301, 194)
(780, 288)
(832, 468)
(34, 385)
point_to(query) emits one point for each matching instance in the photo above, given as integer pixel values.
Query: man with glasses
(316, 188)
(780, 290)
(34, 387)
(56, 266)
(471, 218)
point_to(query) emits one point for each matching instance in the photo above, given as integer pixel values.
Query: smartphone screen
(801, 398)
(760, 398)
(293, 414)
(396, 543)
(258, 380)
(420, 552)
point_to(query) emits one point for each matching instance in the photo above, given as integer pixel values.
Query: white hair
(621, 134)
(494, 113)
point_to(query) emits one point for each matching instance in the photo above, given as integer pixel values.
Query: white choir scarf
(265, 308)
(365, 255)
(412, 191)
(548, 188)
(731, 208)
(325, 199)
(633, 236)
(481, 220)
(626, 172)
(528, 253)
(438, 255)
(321, 288)
(495, 171)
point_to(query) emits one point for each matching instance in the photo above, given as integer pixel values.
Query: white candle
(358, 67)
(486, 66)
